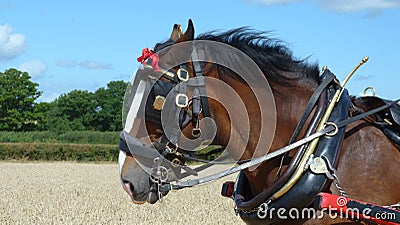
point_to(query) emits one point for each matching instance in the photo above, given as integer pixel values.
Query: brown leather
(268, 192)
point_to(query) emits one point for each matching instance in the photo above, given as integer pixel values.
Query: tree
(72, 111)
(109, 105)
(41, 115)
(17, 101)
(84, 110)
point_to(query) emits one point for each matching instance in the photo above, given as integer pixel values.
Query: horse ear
(176, 32)
(189, 33)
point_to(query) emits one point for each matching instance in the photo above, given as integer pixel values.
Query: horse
(365, 162)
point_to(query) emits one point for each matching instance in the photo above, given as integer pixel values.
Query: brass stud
(158, 103)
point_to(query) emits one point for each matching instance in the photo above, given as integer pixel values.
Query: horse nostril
(129, 187)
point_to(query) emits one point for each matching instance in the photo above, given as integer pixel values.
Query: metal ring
(179, 72)
(156, 160)
(196, 132)
(334, 132)
(159, 174)
(178, 96)
(176, 162)
(369, 89)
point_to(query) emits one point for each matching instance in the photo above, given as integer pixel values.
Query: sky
(67, 45)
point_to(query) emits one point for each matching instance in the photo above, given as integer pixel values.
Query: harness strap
(328, 77)
(196, 57)
(329, 128)
(295, 160)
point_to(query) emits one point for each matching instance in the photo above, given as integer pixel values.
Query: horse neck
(290, 104)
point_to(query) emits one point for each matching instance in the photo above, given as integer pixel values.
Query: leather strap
(327, 78)
(198, 55)
(255, 161)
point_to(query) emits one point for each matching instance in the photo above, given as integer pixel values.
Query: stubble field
(83, 193)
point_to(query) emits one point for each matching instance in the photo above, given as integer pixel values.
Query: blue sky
(67, 45)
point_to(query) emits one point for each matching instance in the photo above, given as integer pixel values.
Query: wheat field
(89, 193)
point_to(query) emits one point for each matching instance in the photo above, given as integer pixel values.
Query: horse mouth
(135, 197)
(150, 197)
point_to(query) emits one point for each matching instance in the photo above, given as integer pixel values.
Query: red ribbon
(146, 54)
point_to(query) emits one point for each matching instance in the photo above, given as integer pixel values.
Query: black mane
(271, 55)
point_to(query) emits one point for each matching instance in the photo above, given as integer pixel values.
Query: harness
(163, 153)
(386, 120)
(313, 163)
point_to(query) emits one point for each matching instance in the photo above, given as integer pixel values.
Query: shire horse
(365, 162)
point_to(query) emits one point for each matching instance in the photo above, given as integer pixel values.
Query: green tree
(109, 105)
(17, 101)
(41, 115)
(73, 111)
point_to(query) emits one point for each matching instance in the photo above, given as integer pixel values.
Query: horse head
(182, 99)
(135, 176)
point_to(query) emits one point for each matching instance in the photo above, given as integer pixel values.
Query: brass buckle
(178, 100)
(158, 103)
(183, 74)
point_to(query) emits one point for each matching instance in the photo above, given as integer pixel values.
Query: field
(90, 193)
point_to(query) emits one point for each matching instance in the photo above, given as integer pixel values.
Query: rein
(327, 130)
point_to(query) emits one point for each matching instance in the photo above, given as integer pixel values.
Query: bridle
(164, 151)
(186, 111)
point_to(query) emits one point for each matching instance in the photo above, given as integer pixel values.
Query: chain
(338, 187)
(160, 196)
(263, 207)
(159, 175)
(247, 211)
(394, 206)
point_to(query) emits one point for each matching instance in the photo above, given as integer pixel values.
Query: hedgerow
(58, 151)
(79, 137)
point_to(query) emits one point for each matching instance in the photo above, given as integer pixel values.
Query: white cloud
(341, 6)
(48, 97)
(66, 63)
(359, 5)
(35, 68)
(95, 65)
(11, 44)
(363, 77)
